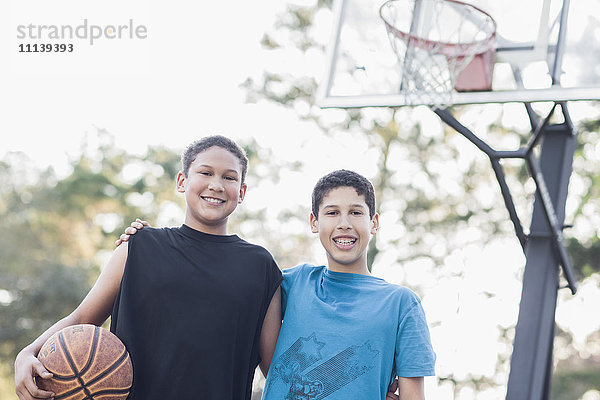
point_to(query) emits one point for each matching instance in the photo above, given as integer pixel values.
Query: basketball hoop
(442, 45)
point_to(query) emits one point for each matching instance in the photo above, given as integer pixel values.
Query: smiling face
(213, 189)
(344, 229)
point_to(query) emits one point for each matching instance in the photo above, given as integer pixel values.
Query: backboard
(362, 69)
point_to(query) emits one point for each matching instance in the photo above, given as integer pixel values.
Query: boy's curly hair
(342, 178)
(190, 153)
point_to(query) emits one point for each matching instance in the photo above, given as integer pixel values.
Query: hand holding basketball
(26, 367)
(86, 362)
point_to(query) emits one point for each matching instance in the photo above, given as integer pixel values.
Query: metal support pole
(531, 362)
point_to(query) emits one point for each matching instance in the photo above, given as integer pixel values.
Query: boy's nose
(344, 223)
(215, 185)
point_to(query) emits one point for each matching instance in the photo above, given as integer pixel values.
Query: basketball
(87, 362)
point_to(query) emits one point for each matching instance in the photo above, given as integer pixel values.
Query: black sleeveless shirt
(190, 310)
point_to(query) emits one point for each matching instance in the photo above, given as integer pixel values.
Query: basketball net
(435, 40)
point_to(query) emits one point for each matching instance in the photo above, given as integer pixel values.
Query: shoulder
(256, 256)
(151, 240)
(302, 270)
(296, 279)
(402, 292)
(150, 235)
(301, 273)
(405, 298)
(150, 232)
(255, 250)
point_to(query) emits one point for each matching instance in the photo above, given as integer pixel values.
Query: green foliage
(583, 243)
(40, 294)
(573, 383)
(585, 257)
(54, 227)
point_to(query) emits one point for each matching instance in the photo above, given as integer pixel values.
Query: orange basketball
(88, 362)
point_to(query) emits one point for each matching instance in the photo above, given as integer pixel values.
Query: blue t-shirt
(346, 336)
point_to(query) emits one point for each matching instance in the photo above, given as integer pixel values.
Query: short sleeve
(414, 354)
(289, 276)
(273, 278)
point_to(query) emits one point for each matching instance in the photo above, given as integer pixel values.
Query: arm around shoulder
(94, 309)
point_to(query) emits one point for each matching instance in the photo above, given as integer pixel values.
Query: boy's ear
(374, 224)
(180, 186)
(243, 189)
(314, 223)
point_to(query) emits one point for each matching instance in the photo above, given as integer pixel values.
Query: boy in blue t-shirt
(347, 334)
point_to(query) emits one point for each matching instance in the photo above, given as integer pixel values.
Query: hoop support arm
(567, 117)
(526, 153)
(537, 133)
(449, 119)
(494, 157)
(552, 220)
(509, 203)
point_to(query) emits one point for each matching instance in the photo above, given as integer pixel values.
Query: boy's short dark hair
(342, 178)
(190, 153)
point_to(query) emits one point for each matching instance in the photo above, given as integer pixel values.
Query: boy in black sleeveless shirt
(196, 308)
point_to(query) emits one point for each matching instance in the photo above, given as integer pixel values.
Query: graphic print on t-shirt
(305, 377)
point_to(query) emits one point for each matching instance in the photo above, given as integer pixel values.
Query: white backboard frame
(522, 54)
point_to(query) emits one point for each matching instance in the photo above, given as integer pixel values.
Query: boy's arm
(270, 331)
(94, 309)
(411, 388)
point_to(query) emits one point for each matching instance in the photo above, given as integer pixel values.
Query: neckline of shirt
(348, 276)
(198, 235)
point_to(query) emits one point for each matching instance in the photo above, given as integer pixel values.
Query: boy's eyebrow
(351, 205)
(211, 167)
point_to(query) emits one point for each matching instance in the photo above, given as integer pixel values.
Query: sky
(181, 81)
